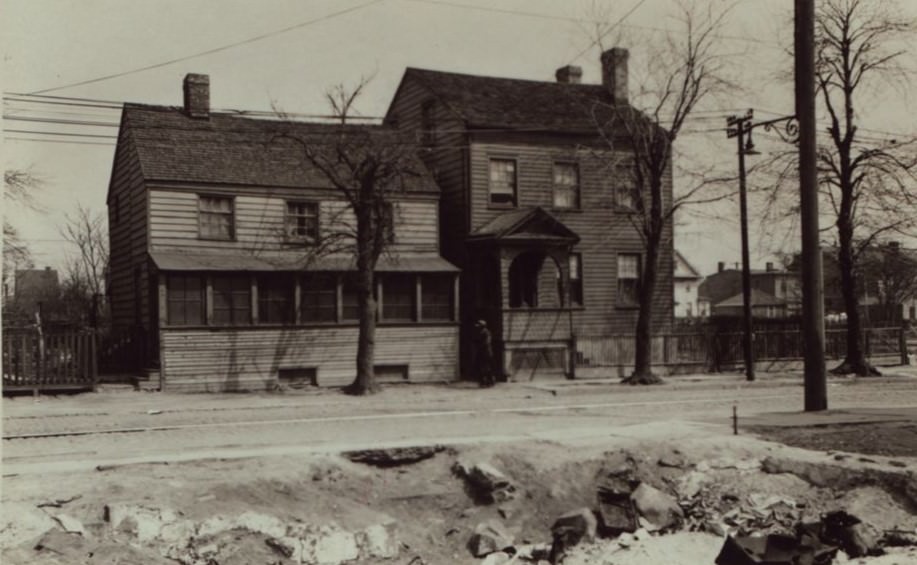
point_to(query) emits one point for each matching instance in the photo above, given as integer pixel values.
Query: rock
(70, 524)
(72, 546)
(487, 482)
(533, 552)
(625, 540)
(286, 546)
(616, 510)
(395, 456)
(261, 523)
(328, 545)
(675, 459)
(378, 541)
(489, 537)
(849, 533)
(641, 535)
(690, 484)
(22, 523)
(139, 521)
(571, 529)
(716, 527)
(498, 558)
(660, 509)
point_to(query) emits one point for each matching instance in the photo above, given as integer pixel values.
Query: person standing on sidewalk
(483, 354)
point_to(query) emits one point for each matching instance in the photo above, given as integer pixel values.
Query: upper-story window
(566, 185)
(301, 222)
(216, 217)
(503, 182)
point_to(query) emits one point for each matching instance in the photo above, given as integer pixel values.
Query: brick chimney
(769, 267)
(721, 266)
(571, 74)
(614, 73)
(197, 95)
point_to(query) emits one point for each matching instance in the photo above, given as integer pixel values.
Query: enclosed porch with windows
(234, 322)
(528, 284)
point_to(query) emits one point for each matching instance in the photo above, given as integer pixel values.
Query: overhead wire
(210, 51)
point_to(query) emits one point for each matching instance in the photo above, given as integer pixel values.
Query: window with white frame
(503, 182)
(215, 217)
(566, 185)
(301, 222)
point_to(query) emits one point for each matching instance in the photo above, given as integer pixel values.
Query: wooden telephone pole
(813, 302)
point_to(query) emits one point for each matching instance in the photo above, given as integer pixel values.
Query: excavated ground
(193, 513)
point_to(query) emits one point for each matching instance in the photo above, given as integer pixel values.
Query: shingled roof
(231, 149)
(493, 102)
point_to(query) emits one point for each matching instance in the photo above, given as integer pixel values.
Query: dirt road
(66, 434)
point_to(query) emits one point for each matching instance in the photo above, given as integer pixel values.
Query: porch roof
(526, 224)
(280, 261)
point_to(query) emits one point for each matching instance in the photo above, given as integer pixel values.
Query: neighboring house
(886, 282)
(778, 292)
(214, 224)
(686, 283)
(533, 210)
(763, 305)
(33, 290)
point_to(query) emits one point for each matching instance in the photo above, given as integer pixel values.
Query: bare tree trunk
(365, 381)
(643, 348)
(855, 359)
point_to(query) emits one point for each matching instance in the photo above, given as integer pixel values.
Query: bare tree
(686, 69)
(85, 271)
(368, 166)
(894, 271)
(20, 187)
(869, 184)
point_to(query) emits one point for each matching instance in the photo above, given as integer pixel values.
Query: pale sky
(50, 44)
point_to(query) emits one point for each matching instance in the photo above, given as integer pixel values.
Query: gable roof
(494, 102)
(526, 223)
(691, 274)
(758, 298)
(231, 149)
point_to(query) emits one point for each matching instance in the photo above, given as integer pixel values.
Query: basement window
(298, 377)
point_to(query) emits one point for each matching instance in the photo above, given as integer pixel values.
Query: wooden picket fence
(711, 351)
(49, 361)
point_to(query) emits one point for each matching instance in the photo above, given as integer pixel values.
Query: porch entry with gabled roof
(522, 277)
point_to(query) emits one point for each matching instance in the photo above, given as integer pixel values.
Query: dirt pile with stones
(530, 503)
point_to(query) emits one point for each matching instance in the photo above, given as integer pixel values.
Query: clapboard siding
(249, 359)
(127, 221)
(604, 232)
(259, 220)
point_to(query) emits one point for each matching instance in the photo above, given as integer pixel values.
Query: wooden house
(535, 208)
(215, 221)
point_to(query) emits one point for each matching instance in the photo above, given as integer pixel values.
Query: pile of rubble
(634, 503)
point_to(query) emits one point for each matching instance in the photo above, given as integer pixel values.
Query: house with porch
(534, 209)
(218, 267)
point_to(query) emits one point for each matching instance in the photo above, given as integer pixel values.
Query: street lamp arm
(789, 133)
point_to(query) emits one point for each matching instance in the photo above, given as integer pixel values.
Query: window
(398, 297)
(350, 302)
(215, 217)
(503, 182)
(625, 188)
(318, 298)
(436, 297)
(301, 222)
(185, 297)
(232, 300)
(628, 279)
(566, 185)
(576, 279)
(275, 299)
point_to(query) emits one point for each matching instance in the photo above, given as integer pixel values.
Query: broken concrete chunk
(661, 510)
(571, 529)
(329, 545)
(261, 523)
(675, 459)
(773, 550)
(70, 524)
(625, 540)
(378, 541)
(489, 537)
(641, 535)
(63, 543)
(690, 484)
(498, 558)
(395, 456)
(487, 482)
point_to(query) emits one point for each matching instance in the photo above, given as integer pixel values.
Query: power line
(211, 51)
(62, 133)
(60, 121)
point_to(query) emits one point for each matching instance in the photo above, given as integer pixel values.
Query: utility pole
(813, 303)
(737, 128)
